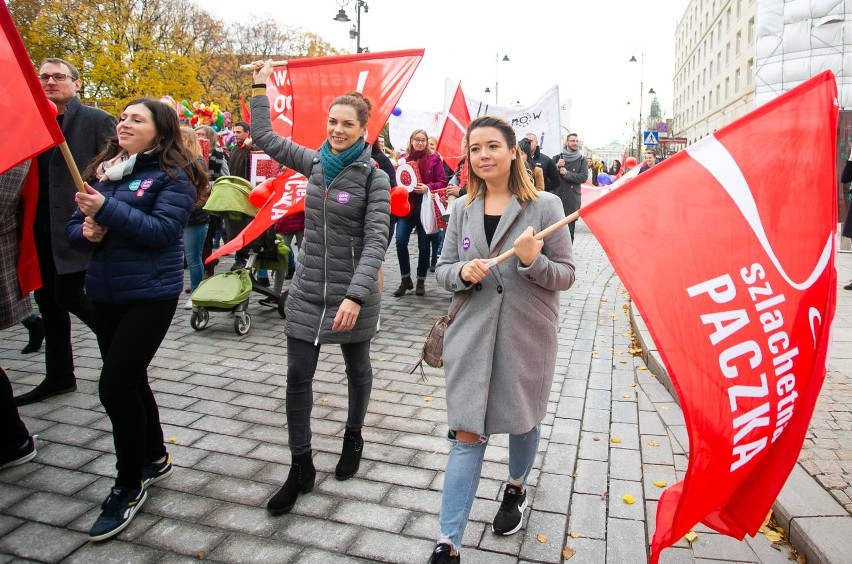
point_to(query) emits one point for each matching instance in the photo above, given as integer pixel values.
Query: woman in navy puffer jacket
(132, 220)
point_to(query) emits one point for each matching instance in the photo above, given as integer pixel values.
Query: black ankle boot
(421, 288)
(300, 480)
(350, 458)
(35, 327)
(404, 284)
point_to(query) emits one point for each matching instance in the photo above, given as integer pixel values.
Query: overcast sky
(583, 46)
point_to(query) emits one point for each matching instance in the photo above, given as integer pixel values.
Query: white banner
(400, 127)
(541, 118)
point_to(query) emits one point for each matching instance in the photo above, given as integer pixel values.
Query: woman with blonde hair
(500, 351)
(196, 230)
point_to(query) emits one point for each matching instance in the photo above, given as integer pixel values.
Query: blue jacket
(141, 256)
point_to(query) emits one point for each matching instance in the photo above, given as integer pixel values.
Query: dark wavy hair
(168, 145)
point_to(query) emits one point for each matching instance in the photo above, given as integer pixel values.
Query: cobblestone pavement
(611, 430)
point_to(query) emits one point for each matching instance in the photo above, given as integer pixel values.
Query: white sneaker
(188, 304)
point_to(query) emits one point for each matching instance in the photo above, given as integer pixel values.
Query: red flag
(301, 91)
(244, 110)
(458, 118)
(729, 255)
(288, 196)
(24, 108)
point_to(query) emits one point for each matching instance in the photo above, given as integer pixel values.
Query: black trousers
(129, 336)
(59, 295)
(13, 432)
(302, 358)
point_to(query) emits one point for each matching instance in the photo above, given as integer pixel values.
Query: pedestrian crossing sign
(651, 138)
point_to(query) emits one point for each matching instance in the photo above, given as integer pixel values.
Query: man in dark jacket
(573, 171)
(240, 159)
(63, 269)
(545, 163)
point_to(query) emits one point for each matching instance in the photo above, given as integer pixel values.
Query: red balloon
(260, 193)
(54, 111)
(630, 161)
(399, 201)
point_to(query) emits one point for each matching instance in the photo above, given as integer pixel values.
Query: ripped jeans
(464, 469)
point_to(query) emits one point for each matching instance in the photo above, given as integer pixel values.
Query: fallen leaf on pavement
(173, 440)
(628, 499)
(773, 536)
(201, 555)
(626, 396)
(665, 408)
(654, 443)
(427, 399)
(574, 534)
(643, 368)
(632, 384)
(568, 552)
(542, 538)
(324, 401)
(660, 484)
(690, 536)
(596, 438)
(615, 440)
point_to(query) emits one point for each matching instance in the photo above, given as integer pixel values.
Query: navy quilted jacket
(141, 256)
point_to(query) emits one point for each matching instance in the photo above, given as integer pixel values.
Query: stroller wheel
(199, 319)
(242, 324)
(282, 303)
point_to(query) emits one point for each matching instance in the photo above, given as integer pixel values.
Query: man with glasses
(63, 270)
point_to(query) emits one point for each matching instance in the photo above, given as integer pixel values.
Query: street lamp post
(355, 32)
(497, 74)
(641, 91)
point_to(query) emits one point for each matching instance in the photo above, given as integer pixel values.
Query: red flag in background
(458, 118)
(24, 109)
(246, 113)
(288, 196)
(301, 92)
(729, 255)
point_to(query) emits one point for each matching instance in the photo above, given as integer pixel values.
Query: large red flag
(24, 108)
(729, 255)
(288, 196)
(458, 118)
(301, 91)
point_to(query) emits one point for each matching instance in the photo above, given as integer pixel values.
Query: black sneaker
(441, 555)
(118, 509)
(25, 453)
(509, 516)
(153, 472)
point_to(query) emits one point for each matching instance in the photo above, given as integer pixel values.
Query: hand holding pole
(540, 235)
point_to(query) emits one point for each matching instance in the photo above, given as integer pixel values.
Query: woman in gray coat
(500, 352)
(334, 296)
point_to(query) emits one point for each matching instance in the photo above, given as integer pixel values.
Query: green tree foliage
(130, 48)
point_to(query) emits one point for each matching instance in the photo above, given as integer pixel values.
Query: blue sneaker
(153, 472)
(118, 510)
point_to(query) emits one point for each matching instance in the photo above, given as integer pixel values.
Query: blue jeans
(193, 244)
(404, 226)
(464, 469)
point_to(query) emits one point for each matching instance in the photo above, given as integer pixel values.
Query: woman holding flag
(334, 296)
(500, 351)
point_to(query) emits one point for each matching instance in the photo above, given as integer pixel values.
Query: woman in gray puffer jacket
(334, 297)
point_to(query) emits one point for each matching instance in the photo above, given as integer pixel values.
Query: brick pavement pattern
(611, 430)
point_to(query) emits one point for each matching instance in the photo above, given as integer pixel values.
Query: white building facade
(715, 66)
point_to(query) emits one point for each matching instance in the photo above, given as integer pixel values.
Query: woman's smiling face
(343, 128)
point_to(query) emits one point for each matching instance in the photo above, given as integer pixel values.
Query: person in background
(650, 161)
(429, 170)
(536, 174)
(334, 297)
(63, 269)
(16, 444)
(514, 306)
(573, 171)
(845, 178)
(615, 169)
(196, 230)
(132, 220)
(217, 166)
(545, 163)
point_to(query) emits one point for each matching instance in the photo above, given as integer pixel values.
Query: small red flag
(729, 256)
(24, 109)
(245, 110)
(455, 126)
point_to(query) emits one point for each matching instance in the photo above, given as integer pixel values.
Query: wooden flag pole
(72, 166)
(250, 66)
(540, 235)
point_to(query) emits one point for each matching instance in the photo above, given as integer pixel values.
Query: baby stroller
(230, 291)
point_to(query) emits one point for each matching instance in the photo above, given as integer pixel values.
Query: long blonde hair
(190, 141)
(520, 183)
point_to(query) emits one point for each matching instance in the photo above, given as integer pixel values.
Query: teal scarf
(333, 164)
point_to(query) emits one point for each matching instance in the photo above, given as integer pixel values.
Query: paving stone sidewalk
(222, 406)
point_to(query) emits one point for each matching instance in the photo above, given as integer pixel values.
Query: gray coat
(346, 234)
(86, 130)
(500, 352)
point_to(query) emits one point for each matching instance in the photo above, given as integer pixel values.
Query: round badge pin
(147, 183)
(343, 198)
(135, 185)
(466, 243)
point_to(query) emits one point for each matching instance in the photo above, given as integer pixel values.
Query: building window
(739, 8)
(718, 94)
(728, 19)
(710, 100)
(727, 88)
(719, 61)
(750, 72)
(751, 31)
(711, 70)
(737, 81)
(738, 43)
(728, 54)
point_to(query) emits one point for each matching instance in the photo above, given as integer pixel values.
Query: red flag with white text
(301, 91)
(729, 256)
(288, 197)
(455, 126)
(25, 111)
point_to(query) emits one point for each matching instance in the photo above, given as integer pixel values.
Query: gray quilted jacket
(346, 232)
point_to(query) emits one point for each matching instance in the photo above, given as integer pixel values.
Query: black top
(491, 222)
